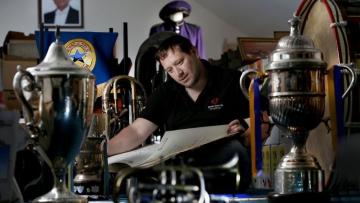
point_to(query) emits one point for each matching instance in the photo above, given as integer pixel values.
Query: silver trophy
(296, 103)
(296, 91)
(57, 98)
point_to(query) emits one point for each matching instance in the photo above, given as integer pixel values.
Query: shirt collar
(66, 10)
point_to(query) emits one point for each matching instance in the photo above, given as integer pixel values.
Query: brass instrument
(175, 182)
(162, 183)
(122, 101)
(128, 98)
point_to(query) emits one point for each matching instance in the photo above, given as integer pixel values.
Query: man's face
(61, 4)
(182, 67)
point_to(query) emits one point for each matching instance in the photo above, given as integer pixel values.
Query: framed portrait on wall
(65, 13)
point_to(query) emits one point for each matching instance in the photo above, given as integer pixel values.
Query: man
(63, 14)
(197, 94)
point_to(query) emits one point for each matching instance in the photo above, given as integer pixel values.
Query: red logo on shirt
(214, 101)
(215, 104)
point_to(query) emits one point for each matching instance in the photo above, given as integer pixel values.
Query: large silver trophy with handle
(296, 92)
(57, 98)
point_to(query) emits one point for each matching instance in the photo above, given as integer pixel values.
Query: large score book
(171, 144)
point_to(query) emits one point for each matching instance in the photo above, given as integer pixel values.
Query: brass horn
(162, 183)
(122, 101)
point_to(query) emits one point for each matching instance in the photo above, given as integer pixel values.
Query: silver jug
(58, 99)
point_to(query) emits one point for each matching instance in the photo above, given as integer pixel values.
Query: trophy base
(298, 173)
(318, 197)
(57, 196)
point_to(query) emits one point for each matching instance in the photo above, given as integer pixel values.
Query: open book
(172, 143)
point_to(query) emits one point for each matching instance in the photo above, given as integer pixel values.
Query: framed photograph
(256, 48)
(65, 13)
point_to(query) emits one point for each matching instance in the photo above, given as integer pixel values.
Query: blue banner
(92, 50)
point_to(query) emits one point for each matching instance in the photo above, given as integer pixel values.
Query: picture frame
(256, 48)
(74, 13)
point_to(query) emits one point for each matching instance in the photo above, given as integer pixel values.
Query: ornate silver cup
(57, 98)
(296, 92)
(296, 95)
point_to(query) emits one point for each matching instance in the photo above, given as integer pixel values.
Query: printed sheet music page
(172, 143)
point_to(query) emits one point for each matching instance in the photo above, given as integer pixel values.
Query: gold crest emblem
(82, 53)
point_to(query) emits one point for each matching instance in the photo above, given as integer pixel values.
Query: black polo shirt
(220, 102)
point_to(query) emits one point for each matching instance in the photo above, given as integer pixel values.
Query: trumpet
(123, 100)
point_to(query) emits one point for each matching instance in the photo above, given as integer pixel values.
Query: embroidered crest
(82, 52)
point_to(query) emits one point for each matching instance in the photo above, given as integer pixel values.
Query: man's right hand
(131, 136)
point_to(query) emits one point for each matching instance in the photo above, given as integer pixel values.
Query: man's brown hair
(171, 43)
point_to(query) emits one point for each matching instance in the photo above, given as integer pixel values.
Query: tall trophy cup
(296, 93)
(57, 98)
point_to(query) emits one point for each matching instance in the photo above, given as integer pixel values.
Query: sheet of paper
(181, 140)
(172, 143)
(134, 157)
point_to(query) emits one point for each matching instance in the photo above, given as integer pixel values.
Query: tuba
(122, 101)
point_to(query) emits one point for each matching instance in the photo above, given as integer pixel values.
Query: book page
(177, 141)
(172, 143)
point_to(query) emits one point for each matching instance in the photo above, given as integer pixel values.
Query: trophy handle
(243, 80)
(353, 78)
(28, 112)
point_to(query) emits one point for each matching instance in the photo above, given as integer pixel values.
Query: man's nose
(179, 72)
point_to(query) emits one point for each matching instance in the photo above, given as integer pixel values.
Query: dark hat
(173, 7)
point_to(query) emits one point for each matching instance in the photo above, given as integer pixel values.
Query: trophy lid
(295, 50)
(58, 62)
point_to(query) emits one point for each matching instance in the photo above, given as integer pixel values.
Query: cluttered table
(263, 197)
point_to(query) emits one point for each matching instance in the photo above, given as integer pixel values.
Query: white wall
(99, 15)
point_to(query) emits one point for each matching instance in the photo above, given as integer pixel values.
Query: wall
(99, 15)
